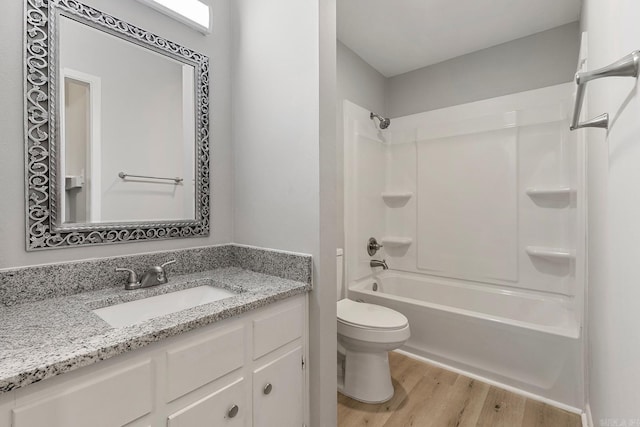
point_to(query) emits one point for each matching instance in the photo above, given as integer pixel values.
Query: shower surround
(480, 211)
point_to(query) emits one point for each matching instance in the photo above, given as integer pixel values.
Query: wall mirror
(116, 130)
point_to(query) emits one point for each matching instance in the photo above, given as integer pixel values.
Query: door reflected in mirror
(127, 130)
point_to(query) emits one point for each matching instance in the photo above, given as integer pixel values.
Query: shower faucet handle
(373, 246)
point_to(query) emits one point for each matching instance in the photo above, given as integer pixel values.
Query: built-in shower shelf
(550, 253)
(396, 196)
(550, 191)
(394, 241)
(396, 199)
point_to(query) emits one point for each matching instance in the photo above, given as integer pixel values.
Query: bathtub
(518, 340)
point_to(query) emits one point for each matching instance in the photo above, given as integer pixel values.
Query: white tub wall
(540, 153)
(365, 179)
(544, 158)
(466, 198)
(401, 176)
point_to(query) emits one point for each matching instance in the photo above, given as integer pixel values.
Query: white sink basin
(130, 313)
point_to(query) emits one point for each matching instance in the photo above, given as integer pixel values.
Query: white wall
(360, 83)
(614, 209)
(544, 59)
(284, 75)
(12, 206)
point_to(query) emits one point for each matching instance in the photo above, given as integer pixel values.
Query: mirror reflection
(127, 130)
(116, 131)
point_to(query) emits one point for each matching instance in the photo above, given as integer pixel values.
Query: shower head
(384, 122)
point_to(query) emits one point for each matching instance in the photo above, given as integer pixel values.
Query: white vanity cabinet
(275, 400)
(245, 371)
(278, 369)
(221, 408)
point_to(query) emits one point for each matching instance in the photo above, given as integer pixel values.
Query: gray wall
(613, 208)
(12, 207)
(536, 61)
(360, 83)
(283, 74)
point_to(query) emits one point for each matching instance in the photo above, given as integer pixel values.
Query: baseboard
(498, 384)
(587, 419)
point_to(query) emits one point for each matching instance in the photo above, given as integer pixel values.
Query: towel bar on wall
(629, 66)
(123, 175)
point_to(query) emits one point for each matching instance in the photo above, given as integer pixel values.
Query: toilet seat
(369, 316)
(371, 323)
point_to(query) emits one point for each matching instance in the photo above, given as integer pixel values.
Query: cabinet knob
(233, 411)
(267, 389)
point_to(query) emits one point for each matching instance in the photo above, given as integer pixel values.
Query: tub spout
(378, 263)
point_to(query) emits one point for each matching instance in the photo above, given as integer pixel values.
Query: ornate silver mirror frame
(43, 231)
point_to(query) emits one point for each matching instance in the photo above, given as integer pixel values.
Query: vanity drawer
(105, 400)
(215, 409)
(198, 363)
(278, 328)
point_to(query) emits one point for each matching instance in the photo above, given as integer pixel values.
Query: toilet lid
(369, 315)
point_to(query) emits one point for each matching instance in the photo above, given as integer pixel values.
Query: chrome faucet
(378, 263)
(154, 276)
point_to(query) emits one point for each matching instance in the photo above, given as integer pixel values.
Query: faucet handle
(162, 275)
(373, 246)
(133, 277)
(167, 263)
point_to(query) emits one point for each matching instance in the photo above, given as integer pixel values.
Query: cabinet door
(199, 362)
(278, 390)
(111, 399)
(225, 408)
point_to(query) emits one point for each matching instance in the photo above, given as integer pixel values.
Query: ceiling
(397, 36)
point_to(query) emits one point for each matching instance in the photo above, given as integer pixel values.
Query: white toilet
(366, 333)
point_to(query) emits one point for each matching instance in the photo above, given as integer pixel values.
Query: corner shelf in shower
(394, 241)
(549, 191)
(559, 254)
(396, 196)
(396, 199)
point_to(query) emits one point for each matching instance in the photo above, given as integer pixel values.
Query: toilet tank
(339, 273)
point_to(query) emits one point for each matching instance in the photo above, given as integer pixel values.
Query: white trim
(582, 244)
(177, 15)
(189, 159)
(93, 176)
(509, 388)
(62, 193)
(587, 418)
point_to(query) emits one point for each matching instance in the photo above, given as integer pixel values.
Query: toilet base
(367, 377)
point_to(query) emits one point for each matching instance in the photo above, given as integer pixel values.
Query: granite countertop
(42, 339)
